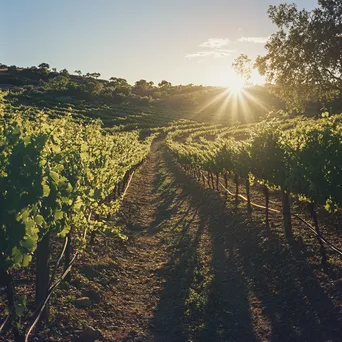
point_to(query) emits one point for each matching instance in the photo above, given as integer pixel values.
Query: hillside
(52, 89)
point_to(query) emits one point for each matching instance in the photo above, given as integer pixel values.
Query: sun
(229, 79)
(236, 84)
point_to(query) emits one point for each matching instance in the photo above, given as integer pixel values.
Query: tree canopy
(242, 66)
(44, 66)
(304, 57)
(164, 84)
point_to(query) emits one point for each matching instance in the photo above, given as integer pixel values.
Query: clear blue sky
(134, 39)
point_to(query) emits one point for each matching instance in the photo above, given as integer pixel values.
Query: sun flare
(237, 87)
(230, 80)
(236, 84)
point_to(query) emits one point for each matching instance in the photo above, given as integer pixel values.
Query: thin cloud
(256, 40)
(212, 53)
(215, 43)
(213, 47)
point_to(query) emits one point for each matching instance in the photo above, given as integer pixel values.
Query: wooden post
(119, 189)
(123, 186)
(125, 179)
(6, 279)
(217, 181)
(267, 201)
(312, 209)
(114, 193)
(92, 238)
(212, 180)
(67, 256)
(236, 180)
(286, 214)
(42, 275)
(249, 207)
(225, 176)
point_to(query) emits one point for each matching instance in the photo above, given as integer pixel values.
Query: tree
(116, 81)
(96, 75)
(143, 88)
(93, 87)
(243, 67)
(44, 66)
(164, 84)
(304, 57)
(58, 83)
(78, 72)
(64, 72)
(119, 86)
(12, 68)
(93, 75)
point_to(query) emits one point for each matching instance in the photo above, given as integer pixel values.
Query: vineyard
(180, 214)
(304, 161)
(59, 178)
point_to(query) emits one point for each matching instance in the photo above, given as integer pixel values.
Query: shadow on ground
(226, 280)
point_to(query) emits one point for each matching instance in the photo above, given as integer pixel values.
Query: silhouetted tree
(12, 68)
(243, 67)
(164, 84)
(93, 75)
(96, 75)
(116, 81)
(44, 66)
(304, 57)
(64, 72)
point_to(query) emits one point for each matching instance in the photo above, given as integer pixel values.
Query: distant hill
(212, 104)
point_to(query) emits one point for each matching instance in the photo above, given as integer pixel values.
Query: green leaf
(46, 190)
(26, 260)
(29, 243)
(84, 155)
(98, 194)
(64, 231)
(55, 176)
(29, 224)
(58, 215)
(25, 214)
(17, 256)
(39, 219)
(20, 307)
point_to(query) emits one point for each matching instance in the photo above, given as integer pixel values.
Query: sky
(181, 41)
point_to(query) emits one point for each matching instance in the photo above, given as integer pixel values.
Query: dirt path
(192, 270)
